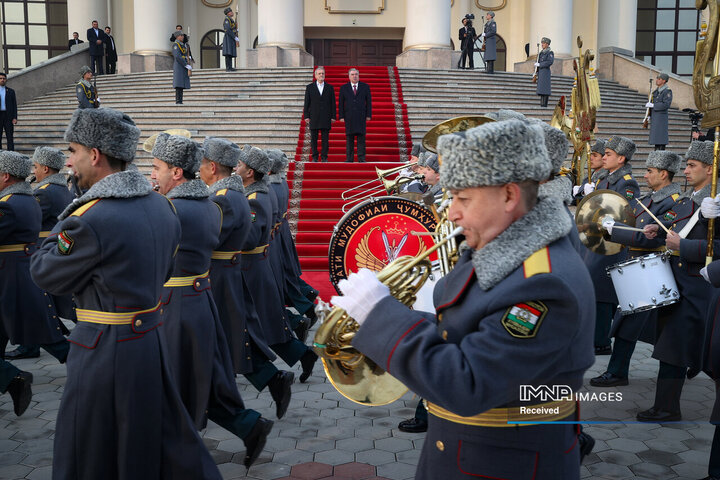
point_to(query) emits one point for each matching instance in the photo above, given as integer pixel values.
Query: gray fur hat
(556, 144)
(429, 160)
(279, 159)
(84, 69)
(493, 154)
(178, 151)
(50, 157)
(663, 160)
(110, 131)
(258, 160)
(221, 151)
(417, 149)
(700, 151)
(505, 114)
(664, 76)
(227, 10)
(545, 40)
(177, 33)
(16, 164)
(492, 14)
(598, 146)
(622, 146)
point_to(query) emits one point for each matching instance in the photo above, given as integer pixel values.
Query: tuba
(354, 375)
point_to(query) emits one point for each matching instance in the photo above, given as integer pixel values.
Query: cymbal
(150, 142)
(453, 125)
(589, 216)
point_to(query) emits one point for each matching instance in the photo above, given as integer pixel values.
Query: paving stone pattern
(325, 436)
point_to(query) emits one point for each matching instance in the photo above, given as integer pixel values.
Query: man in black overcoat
(96, 39)
(319, 112)
(355, 108)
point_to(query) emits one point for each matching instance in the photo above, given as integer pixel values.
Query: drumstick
(622, 227)
(653, 216)
(419, 234)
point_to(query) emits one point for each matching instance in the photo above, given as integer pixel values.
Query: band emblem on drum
(523, 319)
(375, 233)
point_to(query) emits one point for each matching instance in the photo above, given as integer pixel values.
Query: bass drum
(376, 232)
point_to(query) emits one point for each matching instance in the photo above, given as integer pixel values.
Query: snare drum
(644, 283)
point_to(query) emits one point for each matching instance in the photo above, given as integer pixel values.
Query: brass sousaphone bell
(590, 214)
(453, 125)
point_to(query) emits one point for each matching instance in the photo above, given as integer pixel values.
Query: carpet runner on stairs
(316, 188)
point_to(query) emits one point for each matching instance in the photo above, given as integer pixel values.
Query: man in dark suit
(467, 36)
(319, 111)
(355, 106)
(110, 52)
(75, 40)
(97, 39)
(8, 112)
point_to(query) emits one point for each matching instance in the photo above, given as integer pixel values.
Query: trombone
(363, 192)
(381, 176)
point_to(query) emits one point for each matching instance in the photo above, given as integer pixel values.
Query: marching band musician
(509, 314)
(199, 357)
(120, 415)
(252, 168)
(616, 158)
(681, 326)
(597, 150)
(429, 168)
(249, 348)
(53, 196)
(415, 185)
(627, 329)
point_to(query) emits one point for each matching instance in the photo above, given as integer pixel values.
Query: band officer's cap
(16, 164)
(110, 131)
(178, 151)
(50, 157)
(663, 160)
(700, 151)
(221, 151)
(622, 146)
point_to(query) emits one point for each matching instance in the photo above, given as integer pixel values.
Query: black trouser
(490, 66)
(324, 135)
(544, 100)
(96, 59)
(350, 146)
(110, 67)
(467, 53)
(619, 364)
(178, 95)
(7, 125)
(670, 381)
(228, 62)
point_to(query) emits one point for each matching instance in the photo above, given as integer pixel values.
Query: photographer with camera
(695, 133)
(467, 38)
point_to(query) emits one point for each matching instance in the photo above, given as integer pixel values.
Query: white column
(81, 13)
(427, 24)
(280, 23)
(617, 24)
(154, 22)
(553, 19)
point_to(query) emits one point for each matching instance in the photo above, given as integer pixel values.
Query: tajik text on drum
(644, 283)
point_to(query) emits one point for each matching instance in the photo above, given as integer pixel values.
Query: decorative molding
(337, 9)
(491, 9)
(210, 4)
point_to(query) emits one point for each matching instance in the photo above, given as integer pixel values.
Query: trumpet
(354, 375)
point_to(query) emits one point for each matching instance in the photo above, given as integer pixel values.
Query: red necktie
(354, 89)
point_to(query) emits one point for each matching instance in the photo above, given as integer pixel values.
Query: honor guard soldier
(85, 91)
(627, 329)
(661, 101)
(545, 59)
(53, 196)
(198, 350)
(681, 326)
(181, 66)
(490, 42)
(512, 312)
(120, 415)
(248, 345)
(252, 169)
(230, 40)
(618, 153)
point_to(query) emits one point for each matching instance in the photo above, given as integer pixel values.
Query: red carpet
(317, 187)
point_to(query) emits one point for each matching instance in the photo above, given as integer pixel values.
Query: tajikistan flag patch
(522, 320)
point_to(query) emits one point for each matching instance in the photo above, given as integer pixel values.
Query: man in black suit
(467, 38)
(319, 111)
(75, 40)
(8, 112)
(355, 105)
(97, 39)
(110, 52)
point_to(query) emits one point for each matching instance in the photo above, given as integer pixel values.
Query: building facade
(412, 33)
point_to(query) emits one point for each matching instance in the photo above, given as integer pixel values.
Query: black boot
(308, 363)
(20, 392)
(279, 386)
(178, 96)
(228, 63)
(255, 441)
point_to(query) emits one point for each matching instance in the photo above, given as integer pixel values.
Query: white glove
(589, 188)
(188, 67)
(361, 292)
(649, 105)
(537, 64)
(704, 274)
(608, 223)
(576, 189)
(710, 207)
(483, 34)
(237, 39)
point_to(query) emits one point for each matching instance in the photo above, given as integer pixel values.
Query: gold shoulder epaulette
(538, 262)
(222, 192)
(675, 196)
(628, 177)
(6, 198)
(81, 210)
(252, 196)
(44, 186)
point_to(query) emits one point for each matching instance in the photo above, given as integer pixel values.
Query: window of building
(32, 31)
(666, 34)
(211, 49)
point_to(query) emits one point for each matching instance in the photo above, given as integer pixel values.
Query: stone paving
(325, 436)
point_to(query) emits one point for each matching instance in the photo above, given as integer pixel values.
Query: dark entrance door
(354, 52)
